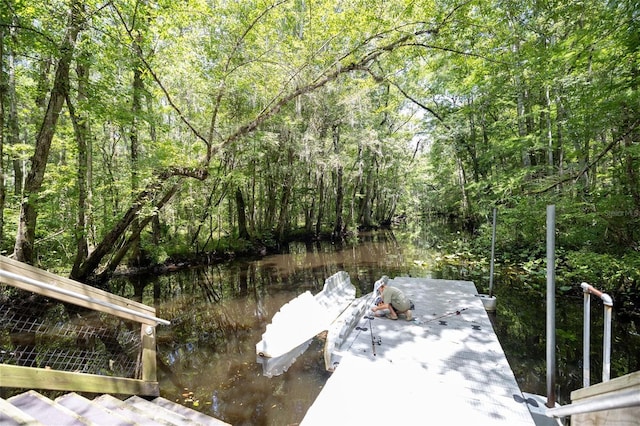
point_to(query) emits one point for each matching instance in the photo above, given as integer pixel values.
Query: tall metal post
(551, 306)
(606, 343)
(586, 338)
(493, 251)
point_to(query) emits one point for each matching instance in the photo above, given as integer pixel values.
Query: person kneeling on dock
(393, 300)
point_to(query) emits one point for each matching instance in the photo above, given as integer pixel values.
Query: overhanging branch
(595, 161)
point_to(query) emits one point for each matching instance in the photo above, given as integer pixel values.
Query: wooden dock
(444, 367)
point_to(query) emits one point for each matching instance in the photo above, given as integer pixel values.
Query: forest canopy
(134, 130)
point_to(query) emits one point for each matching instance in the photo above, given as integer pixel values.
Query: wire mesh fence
(36, 331)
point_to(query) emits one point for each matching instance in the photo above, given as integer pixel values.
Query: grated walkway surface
(446, 367)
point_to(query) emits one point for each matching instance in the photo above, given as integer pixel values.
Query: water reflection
(218, 314)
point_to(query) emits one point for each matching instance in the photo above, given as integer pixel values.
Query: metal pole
(493, 250)
(606, 344)
(586, 338)
(551, 306)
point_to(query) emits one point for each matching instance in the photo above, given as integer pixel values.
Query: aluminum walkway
(445, 367)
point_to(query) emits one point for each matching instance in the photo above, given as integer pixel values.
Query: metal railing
(611, 400)
(105, 319)
(603, 402)
(617, 400)
(606, 339)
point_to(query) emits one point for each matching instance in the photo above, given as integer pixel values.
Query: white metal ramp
(299, 320)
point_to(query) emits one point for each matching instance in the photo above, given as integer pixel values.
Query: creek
(207, 356)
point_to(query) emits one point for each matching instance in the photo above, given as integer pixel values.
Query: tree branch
(606, 149)
(587, 167)
(360, 65)
(166, 93)
(421, 105)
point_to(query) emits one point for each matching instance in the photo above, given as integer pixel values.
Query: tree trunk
(310, 207)
(243, 233)
(89, 266)
(473, 143)
(584, 160)
(632, 163)
(560, 117)
(320, 205)
(462, 178)
(13, 125)
(3, 91)
(357, 186)
(24, 246)
(137, 256)
(520, 106)
(549, 131)
(208, 206)
(522, 128)
(338, 228)
(81, 129)
(135, 236)
(631, 166)
(366, 209)
(283, 218)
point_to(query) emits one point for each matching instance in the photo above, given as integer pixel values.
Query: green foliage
(605, 271)
(421, 109)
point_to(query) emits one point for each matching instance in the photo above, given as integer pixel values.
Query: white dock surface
(442, 368)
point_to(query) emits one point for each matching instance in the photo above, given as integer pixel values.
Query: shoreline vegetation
(150, 137)
(615, 273)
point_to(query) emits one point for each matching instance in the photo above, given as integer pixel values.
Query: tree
(202, 121)
(3, 92)
(83, 137)
(28, 212)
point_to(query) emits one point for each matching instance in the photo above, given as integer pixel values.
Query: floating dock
(445, 367)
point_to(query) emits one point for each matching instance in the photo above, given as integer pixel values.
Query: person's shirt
(396, 297)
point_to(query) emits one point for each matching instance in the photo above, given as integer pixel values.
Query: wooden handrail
(30, 278)
(71, 296)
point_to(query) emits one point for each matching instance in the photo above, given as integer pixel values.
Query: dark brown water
(219, 313)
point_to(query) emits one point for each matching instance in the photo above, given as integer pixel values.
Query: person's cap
(382, 281)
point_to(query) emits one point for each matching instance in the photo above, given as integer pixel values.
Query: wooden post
(148, 348)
